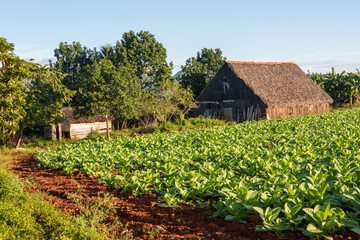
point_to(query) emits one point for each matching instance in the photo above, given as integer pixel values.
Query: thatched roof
(280, 84)
(72, 119)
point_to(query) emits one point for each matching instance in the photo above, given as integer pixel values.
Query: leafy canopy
(107, 90)
(71, 59)
(46, 95)
(199, 70)
(143, 52)
(13, 71)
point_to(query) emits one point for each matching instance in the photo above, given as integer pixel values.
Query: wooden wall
(227, 97)
(274, 113)
(75, 130)
(82, 130)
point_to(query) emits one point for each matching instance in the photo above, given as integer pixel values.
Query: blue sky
(316, 34)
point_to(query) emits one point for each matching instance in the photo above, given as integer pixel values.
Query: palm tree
(107, 52)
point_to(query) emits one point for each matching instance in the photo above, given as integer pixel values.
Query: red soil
(142, 214)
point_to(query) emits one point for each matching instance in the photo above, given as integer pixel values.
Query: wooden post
(107, 127)
(53, 132)
(60, 131)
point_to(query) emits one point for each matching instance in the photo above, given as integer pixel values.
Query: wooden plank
(65, 127)
(228, 116)
(82, 130)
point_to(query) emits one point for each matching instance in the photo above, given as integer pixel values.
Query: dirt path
(141, 214)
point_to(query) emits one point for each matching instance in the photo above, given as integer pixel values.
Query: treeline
(127, 81)
(342, 87)
(130, 81)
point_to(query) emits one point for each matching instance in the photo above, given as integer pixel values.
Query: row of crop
(305, 168)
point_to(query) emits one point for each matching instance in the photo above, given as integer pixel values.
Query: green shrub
(176, 126)
(28, 216)
(9, 185)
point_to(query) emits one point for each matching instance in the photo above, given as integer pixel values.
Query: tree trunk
(107, 127)
(20, 136)
(117, 124)
(127, 123)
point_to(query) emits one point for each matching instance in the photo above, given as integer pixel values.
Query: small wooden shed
(243, 91)
(75, 127)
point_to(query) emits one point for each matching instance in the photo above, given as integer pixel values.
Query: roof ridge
(252, 62)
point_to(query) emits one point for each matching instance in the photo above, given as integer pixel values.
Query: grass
(7, 154)
(153, 232)
(95, 212)
(29, 216)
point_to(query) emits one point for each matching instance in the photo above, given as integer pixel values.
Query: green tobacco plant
(292, 214)
(270, 220)
(237, 211)
(325, 220)
(311, 165)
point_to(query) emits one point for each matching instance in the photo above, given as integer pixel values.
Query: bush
(9, 185)
(176, 126)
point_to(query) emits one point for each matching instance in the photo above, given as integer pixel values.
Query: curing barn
(75, 127)
(246, 91)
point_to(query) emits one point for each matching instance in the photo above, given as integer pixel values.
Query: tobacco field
(298, 174)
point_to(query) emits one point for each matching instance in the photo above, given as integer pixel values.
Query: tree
(107, 91)
(167, 101)
(199, 70)
(126, 100)
(12, 98)
(174, 100)
(72, 59)
(46, 96)
(143, 52)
